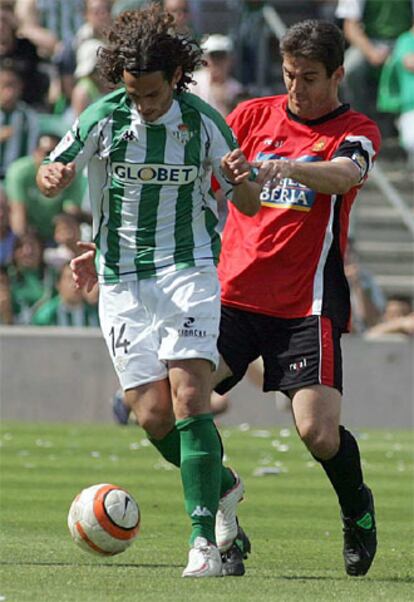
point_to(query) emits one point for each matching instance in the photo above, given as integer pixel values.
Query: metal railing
(392, 195)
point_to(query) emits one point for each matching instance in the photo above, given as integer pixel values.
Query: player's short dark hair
(320, 41)
(144, 41)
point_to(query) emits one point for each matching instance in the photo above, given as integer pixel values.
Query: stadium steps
(383, 241)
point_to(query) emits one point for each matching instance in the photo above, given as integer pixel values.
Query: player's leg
(302, 358)
(189, 310)
(317, 411)
(238, 347)
(314, 382)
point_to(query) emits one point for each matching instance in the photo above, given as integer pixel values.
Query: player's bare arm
(52, 178)
(236, 170)
(327, 177)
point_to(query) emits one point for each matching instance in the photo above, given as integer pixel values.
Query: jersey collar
(339, 111)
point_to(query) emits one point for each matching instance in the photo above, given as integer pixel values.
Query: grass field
(291, 517)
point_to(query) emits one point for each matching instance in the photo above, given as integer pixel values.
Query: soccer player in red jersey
(284, 292)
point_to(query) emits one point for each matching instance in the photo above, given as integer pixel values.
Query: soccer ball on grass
(104, 519)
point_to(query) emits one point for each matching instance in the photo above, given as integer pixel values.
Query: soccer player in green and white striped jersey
(19, 127)
(151, 149)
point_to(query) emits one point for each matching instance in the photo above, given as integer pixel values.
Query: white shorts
(148, 322)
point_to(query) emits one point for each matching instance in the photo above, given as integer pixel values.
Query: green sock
(169, 448)
(200, 473)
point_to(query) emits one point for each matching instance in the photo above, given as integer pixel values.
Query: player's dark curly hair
(144, 41)
(316, 40)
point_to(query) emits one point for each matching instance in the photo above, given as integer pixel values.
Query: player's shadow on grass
(407, 579)
(115, 565)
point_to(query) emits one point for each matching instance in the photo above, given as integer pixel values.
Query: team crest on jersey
(183, 133)
(319, 145)
(289, 194)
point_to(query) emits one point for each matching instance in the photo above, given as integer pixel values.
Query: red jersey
(287, 261)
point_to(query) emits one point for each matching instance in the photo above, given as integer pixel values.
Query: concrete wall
(57, 374)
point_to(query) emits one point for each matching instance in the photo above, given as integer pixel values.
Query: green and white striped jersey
(150, 184)
(23, 123)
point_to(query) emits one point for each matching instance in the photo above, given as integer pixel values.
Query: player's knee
(189, 401)
(321, 440)
(156, 426)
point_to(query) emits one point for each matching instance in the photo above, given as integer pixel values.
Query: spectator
(24, 54)
(325, 9)
(30, 282)
(397, 306)
(29, 207)
(19, 127)
(367, 299)
(97, 19)
(66, 235)
(89, 86)
(213, 83)
(6, 309)
(68, 307)
(7, 236)
(180, 10)
(396, 89)
(249, 32)
(48, 23)
(371, 28)
(398, 318)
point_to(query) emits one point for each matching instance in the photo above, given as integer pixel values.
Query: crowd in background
(48, 56)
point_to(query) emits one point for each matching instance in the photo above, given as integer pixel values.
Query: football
(104, 519)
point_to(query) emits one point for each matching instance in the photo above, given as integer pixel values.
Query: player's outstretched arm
(246, 194)
(52, 178)
(83, 266)
(329, 177)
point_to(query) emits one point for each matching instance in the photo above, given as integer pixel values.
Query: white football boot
(226, 519)
(204, 560)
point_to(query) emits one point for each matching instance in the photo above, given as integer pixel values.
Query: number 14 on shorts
(119, 341)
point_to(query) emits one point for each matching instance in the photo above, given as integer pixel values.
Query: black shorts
(296, 353)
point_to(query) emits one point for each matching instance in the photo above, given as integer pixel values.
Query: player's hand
(378, 55)
(6, 132)
(83, 266)
(235, 166)
(272, 171)
(54, 177)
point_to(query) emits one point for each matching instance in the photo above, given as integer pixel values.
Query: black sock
(345, 473)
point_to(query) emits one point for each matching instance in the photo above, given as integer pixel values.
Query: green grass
(292, 519)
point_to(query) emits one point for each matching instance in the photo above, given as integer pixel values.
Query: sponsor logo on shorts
(189, 330)
(296, 366)
(146, 173)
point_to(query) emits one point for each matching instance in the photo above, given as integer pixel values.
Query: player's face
(311, 93)
(151, 93)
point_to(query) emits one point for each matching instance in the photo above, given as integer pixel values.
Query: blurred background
(48, 76)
